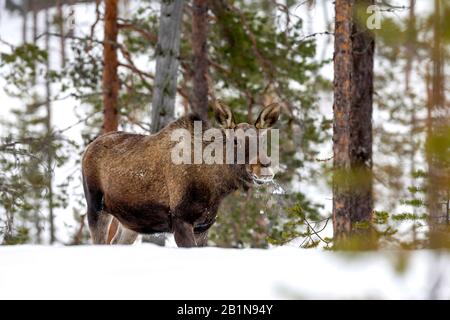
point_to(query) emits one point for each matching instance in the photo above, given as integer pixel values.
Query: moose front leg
(184, 233)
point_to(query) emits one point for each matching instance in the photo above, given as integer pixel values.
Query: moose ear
(224, 116)
(268, 116)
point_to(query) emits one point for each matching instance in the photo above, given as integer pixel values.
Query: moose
(131, 177)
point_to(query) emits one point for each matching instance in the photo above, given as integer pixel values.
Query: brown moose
(131, 177)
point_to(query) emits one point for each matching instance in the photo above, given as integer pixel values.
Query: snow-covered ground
(150, 272)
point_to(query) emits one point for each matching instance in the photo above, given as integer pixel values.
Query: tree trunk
(35, 30)
(25, 21)
(49, 133)
(110, 77)
(110, 80)
(352, 127)
(437, 129)
(167, 61)
(62, 32)
(410, 44)
(410, 54)
(35, 21)
(200, 57)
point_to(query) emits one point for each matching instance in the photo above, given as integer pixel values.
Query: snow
(144, 271)
(148, 272)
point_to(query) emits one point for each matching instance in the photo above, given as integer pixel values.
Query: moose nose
(265, 176)
(267, 173)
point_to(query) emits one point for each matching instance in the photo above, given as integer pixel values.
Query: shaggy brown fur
(132, 178)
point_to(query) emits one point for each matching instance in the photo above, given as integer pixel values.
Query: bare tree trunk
(438, 128)
(25, 21)
(352, 134)
(200, 57)
(327, 21)
(110, 80)
(35, 21)
(35, 30)
(37, 217)
(341, 108)
(110, 77)
(361, 115)
(167, 61)
(62, 32)
(410, 53)
(410, 45)
(49, 134)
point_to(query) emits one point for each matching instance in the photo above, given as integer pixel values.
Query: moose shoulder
(132, 177)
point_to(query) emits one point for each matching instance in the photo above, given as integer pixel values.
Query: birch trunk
(167, 61)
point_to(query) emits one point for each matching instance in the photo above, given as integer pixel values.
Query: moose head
(249, 139)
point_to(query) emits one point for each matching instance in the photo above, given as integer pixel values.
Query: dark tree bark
(352, 127)
(167, 61)
(200, 57)
(110, 77)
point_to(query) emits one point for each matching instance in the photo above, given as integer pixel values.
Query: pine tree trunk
(110, 77)
(49, 133)
(167, 61)
(200, 57)
(110, 80)
(352, 134)
(438, 128)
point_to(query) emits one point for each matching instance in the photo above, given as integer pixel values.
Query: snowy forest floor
(148, 272)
